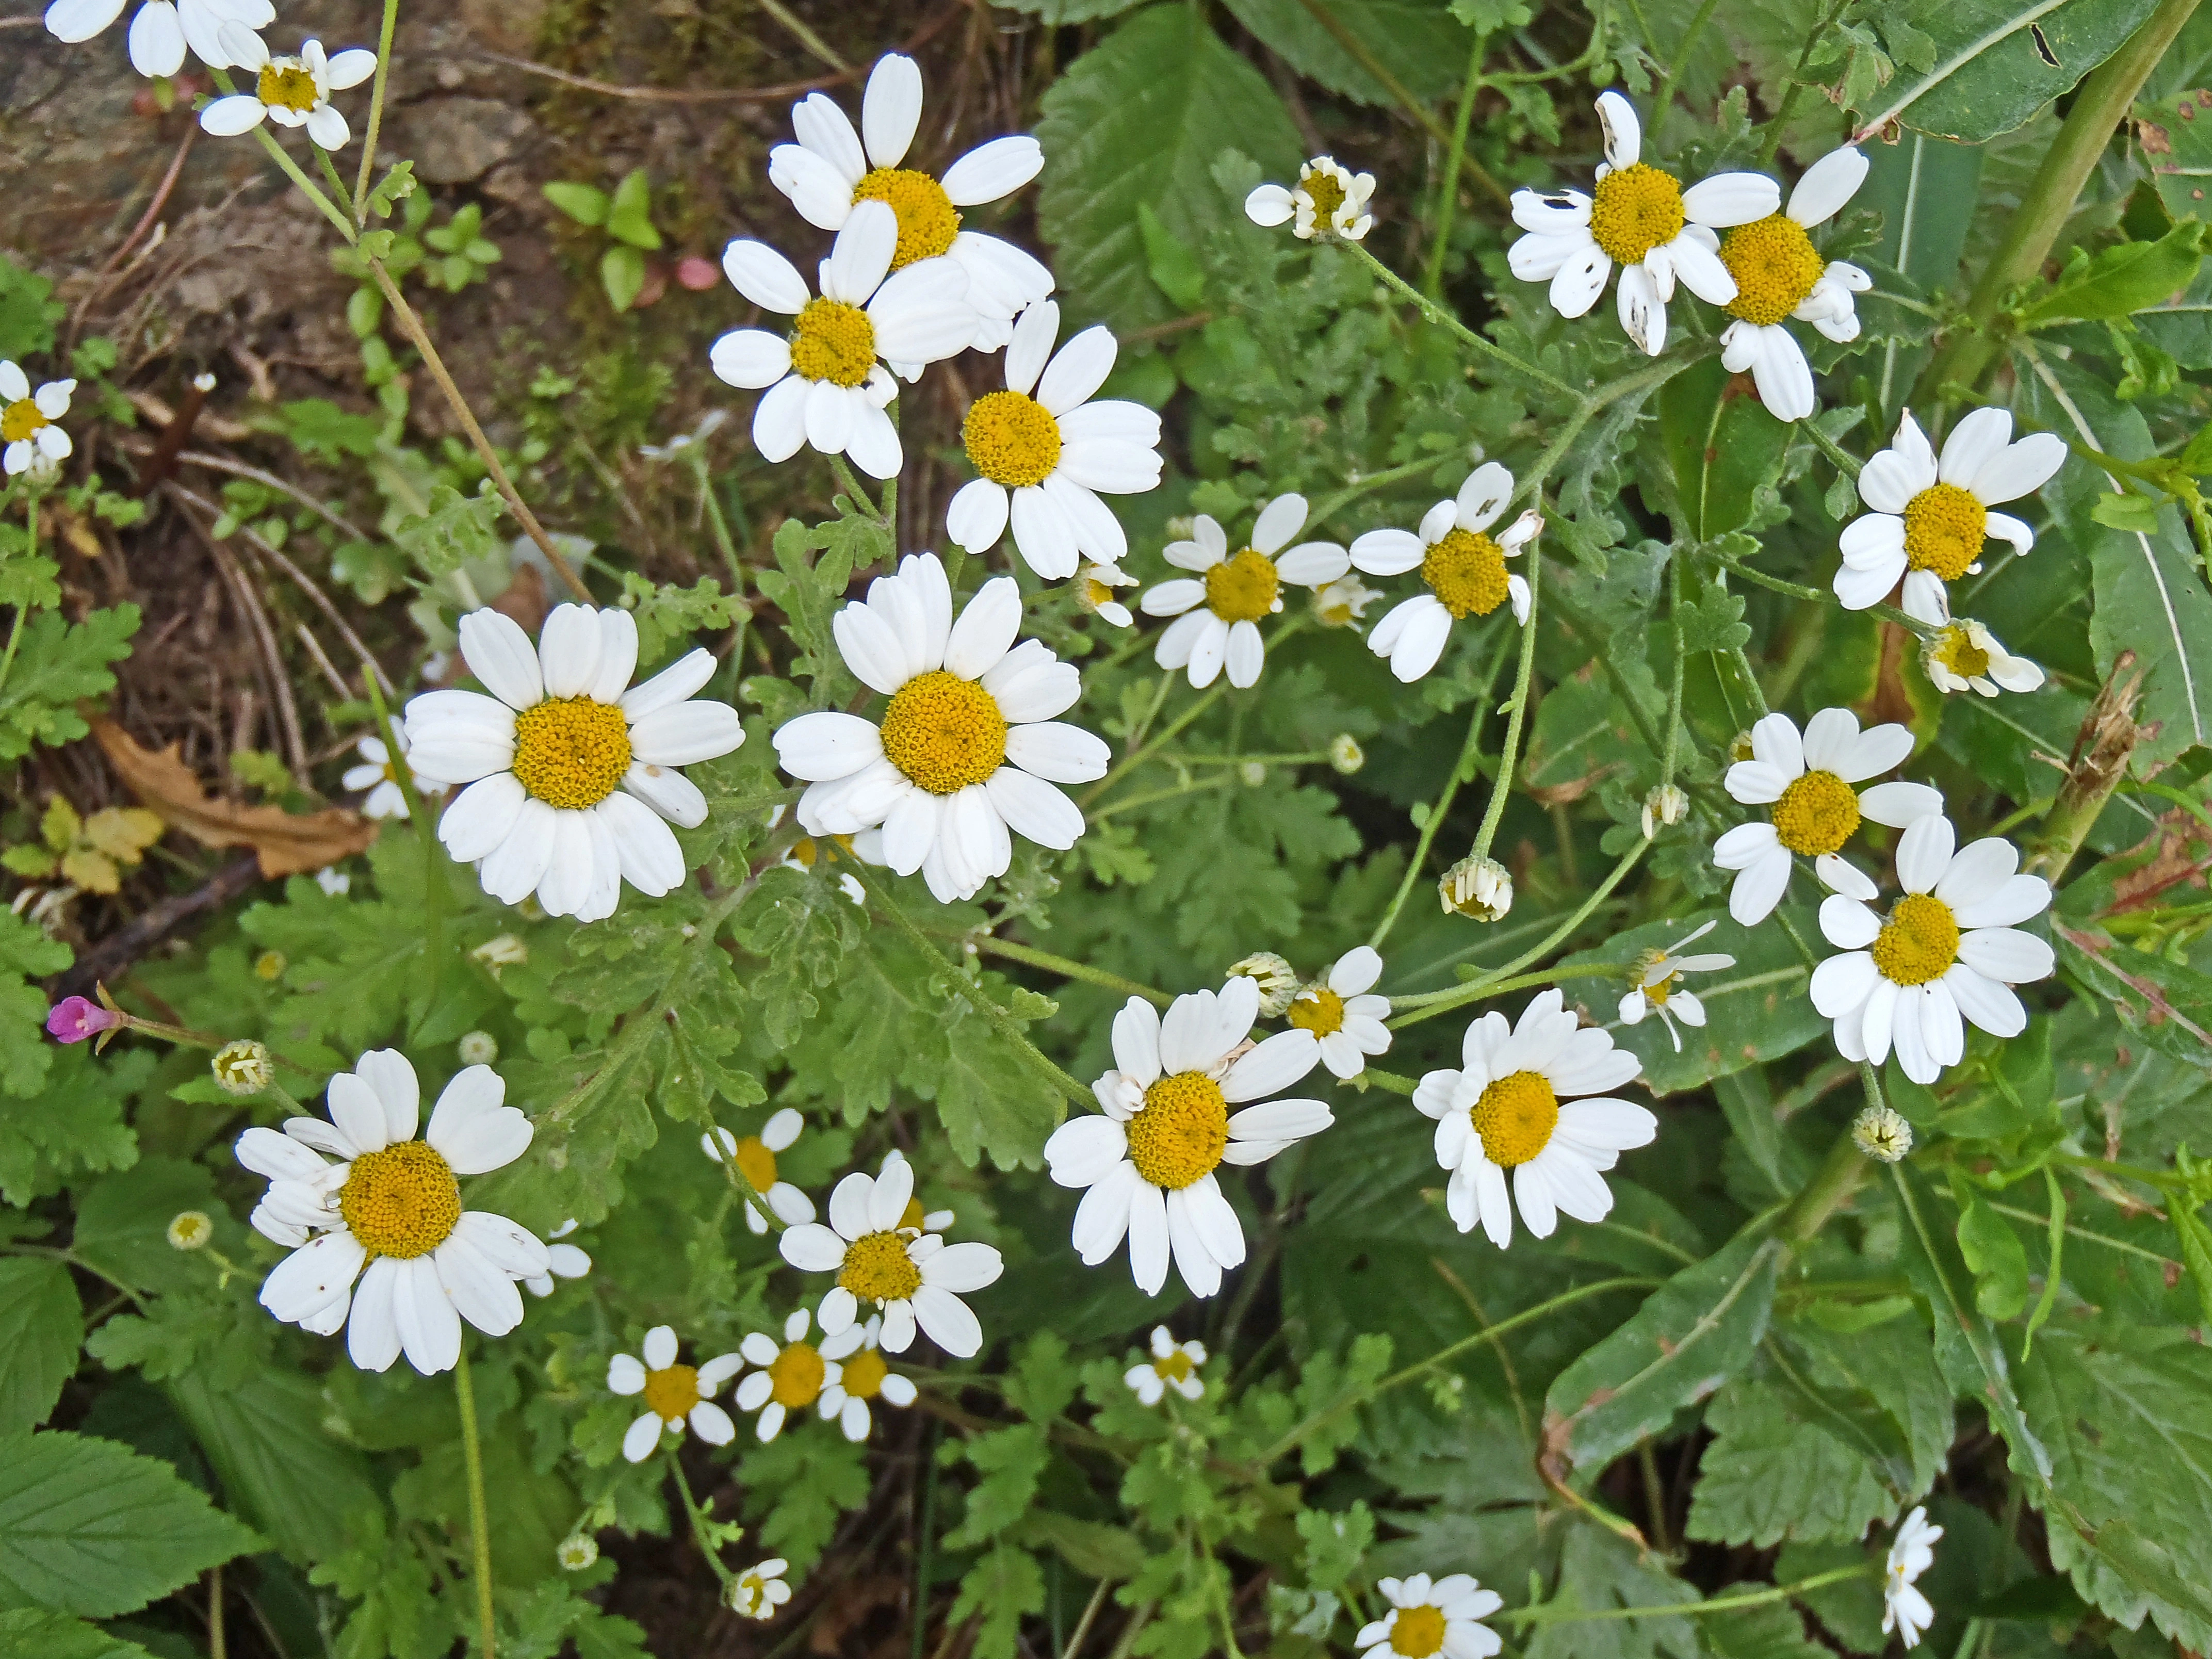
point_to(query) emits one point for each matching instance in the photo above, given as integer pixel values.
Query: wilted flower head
(1277, 980)
(758, 1591)
(1882, 1133)
(1665, 805)
(1480, 888)
(241, 1067)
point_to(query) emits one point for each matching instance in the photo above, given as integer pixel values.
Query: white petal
(993, 170)
(1731, 198)
(1078, 369)
(1827, 186)
(890, 108)
(469, 1128)
(976, 517)
(764, 276)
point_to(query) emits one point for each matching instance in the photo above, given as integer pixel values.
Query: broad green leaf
(1073, 11)
(584, 203)
(1998, 1261)
(26, 1633)
(622, 273)
(28, 312)
(1600, 1573)
(1416, 42)
(1997, 62)
(629, 215)
(2117, 280)
(1925, 191)
(265, 1441)
(26, 1054)
(1774, 1630)
(89, 1528)
(123, 1223)
(1722, 447)
(2176, 137)
(41, 1327)
(1095, 1550)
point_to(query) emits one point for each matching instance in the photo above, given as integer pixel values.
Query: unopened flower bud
(1254, 773)
(576, 1552)
(1665, 805)
(1882, 1133)
(1740, 747)
(478, 1049)
(1480, 888)
(1277, 981)
(270, 965)
(1344, 753)
(241, 1067)
(190, 1230)
(75, 1019)
(504, 951)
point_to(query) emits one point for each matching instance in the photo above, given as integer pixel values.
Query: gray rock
(456, 141)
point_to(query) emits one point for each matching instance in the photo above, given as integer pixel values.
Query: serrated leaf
(2116, 282)
(454, 530)
(27, 1633)
(1420, 44)
(1997, 62)
(42, 1328)
(265, 1438)
(1002, 1587)
(58, 665)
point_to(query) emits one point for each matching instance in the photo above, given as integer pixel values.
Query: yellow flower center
(670, 1394)
(402, 1201)
(270, 965)
(1175, 1368)
(1243, 588)
(1955, 649)
(1816, 814)
(1320, 1011)
(927, 221)
(1635, 210)
(570, 753)
(1418, 1633)
(1944, 527)
(833, 341)
(912, 1218)
(795, 1376)
(1918, 942)
(944, 732)
(756, 1163)
(1775, 265)
(1658, 993)
(877, 1268)
(286, 86)
(1011, 438)
(1515, 1117)
(1466, 573)
(21, 420)
(864, 1374)
(1325, 192)
(1182, 1131)
(1096, 593)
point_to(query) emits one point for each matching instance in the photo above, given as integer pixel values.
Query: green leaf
(622, 273)
(322, 431)
(2116, 282)
(1173, 266)
(1722, 447)
(77, 1122)
(454, 529)
(1073, 11)
(1000, 1590)
(396, 186)
(123, 1223)
(1138, 120)
(43, 1328)
(1925, 191)
(1774, 1630)
(1417, 42)
(1093, 1549)
(808, 591)
(582, 202)
(265, 1440)
(2126, 510)
(89, 1528)
(28, 312)
(26, 1054)
(629, 215)
(1600, 1573)
(26, 1633)
(58, 665)
(2195, 1242)
(2175, 134)
(1997, 62)
(1998, 1261)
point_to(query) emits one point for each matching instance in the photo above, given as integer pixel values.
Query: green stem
(330, 174)
(434, 890)
(1174, 727)
(1509, 755)
(16, 629)
(1830, 1187)
(1823, 596)
(1675, 690)
(1065, 968)
(1352, 491)
(479, 1520)
(308, 186)
(375, 127)
(1152, 798)
(1550, 1613)
(1443, 319)
(699, 1535)
(1432, 283)
(1673, 72)
(1844, 462)
(1775, 128)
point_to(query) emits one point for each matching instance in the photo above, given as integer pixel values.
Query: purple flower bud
(74, 1019)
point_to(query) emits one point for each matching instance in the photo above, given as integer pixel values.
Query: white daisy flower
(1779, 274)
(1966, 657)
(162, 29)
(333, 881)
(1911, 1552)
(792, 1374)
(1173, 1365)
(379, 774)
(1641, 219)
(1343, 603)
(826, 387)
(759, 1590)
(1094, 591)
(571, 769)
(913, 1276)
(1505, 1110)
(862, 1377)
(674, 1395)
(1339, 1009)
(1929, 517)
(1949, 947)
(1218, 614)
(755, 1155)
(293, 92)
(29, 421)
(967, 749)
(1045, 457)
(1659, 988)
(831, 170)
(563, 1261)
(1463, 568)
(1327, 201)
(1148, 1160)
(388, 1212)
(1443, 1617)
(1807, 782)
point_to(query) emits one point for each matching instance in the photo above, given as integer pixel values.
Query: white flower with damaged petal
(1508, 1108)
(1966, 657)
(882, 1257)
(1343, 1014)
(1440, 1618)
(379, 774)
(1641, 219)
(759, 1590)
(966, 750)
(1658, 987)
(563, 1261)
(1809, 782)
(826, 381)
(863, 1377)
(1094, 591)
(674, 1395)
(1911, 1552)
(831, 170)
(293, 92)
(1327, 201)
(1148, 1160)
(1480, 889)
(29, 421)
(1217, 613)
(1665, 806)
(1949, 947)
(755, 1157)
(1780, 275)
(571, 769)
(1173, 1365)
(1046, 448)
(1343, 603)
(1464, 568)
(1929, 517)
(792, 1374)
(388, 1213)
(162, 29)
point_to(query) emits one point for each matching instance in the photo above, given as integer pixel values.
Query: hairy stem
(1509, 755)
(1432, 281)
(479, 1520)
(375, 112)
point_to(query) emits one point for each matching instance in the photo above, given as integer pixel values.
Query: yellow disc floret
(671, 1392)
(402, 1201)
(1816, 814)
(1635, 210)
(1182, 1131)
(286, 86)
(1243, 588)
(756, 1163)
(1325, 190)
(877, 1268)
(22, 420)
(864, 1374)
(795, 1376)
(1657, 992)
(1516, 1116)
(944, 732)
(834, 342)
(1418, 1633)
(1918, 942)
(1175, 1367)
(1775, 265)
(1944, 529)
(1466, 573)
(571, 752)
(1320, 1011)
(1955, 649)
(1011, 438)
(927, 221)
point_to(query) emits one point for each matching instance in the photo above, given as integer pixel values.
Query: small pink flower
(697, 274)
(75, 1019)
